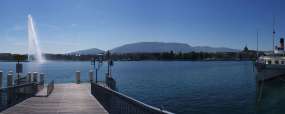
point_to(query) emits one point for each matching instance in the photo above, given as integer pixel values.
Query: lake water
(183, 87)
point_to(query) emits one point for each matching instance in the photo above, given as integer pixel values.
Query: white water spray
(34, 50)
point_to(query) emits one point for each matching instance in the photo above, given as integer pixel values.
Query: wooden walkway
(65, 99)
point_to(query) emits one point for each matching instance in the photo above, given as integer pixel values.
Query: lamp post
(99, 59)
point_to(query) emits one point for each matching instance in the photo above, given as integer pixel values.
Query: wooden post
(77, 77)
(9, 80)
(91, 75)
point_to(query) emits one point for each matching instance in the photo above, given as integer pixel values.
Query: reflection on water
(60, 71)
(272, 99)
(183, 87)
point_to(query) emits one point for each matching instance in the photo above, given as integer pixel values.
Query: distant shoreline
(133, 60)
(245, 55)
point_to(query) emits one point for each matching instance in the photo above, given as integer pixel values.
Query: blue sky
(68, 25)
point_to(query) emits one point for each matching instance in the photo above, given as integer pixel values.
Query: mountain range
(152, 47)
(92, 51)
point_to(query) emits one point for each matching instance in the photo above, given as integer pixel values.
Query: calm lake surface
(183, 87)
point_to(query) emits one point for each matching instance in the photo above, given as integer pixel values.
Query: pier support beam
(77, 77)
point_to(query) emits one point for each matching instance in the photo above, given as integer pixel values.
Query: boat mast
(257, 52)
(273, 36)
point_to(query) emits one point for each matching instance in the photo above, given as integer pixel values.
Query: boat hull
(269, 71)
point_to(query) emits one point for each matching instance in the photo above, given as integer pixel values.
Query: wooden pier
(67, 98)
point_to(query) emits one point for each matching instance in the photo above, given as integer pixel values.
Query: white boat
(272, 65)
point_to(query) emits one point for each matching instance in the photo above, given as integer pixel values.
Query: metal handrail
(17, 86)
(118, 103)
(50, 87)
(12, 95)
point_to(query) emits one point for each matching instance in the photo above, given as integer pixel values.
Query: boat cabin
(272, 60)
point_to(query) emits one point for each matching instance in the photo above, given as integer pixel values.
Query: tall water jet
(34, 51)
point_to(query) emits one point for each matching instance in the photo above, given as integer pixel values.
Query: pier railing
(50, 87)
(10, 96)
(118, 103)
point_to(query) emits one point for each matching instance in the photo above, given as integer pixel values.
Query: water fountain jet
(34, 49)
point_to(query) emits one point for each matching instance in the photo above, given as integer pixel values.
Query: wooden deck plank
(65, 99)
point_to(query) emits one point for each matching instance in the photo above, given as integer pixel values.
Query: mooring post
(10, 72)
(9, 80)
(1, 79)
(91, 72)
(42, 76)
(19, 69)
(1, 84)
(29, 77)
(96, 73)
(77, 77)
(35, 77)
(10, 96)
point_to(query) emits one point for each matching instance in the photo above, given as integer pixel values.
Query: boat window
(276, 62)
(268, 62)
(282, 62)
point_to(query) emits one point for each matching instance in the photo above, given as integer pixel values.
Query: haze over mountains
(153, 47)
(91, 51)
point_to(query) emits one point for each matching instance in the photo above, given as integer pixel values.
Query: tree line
(243, 55)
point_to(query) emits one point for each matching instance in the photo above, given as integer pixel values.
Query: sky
(68, 25)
